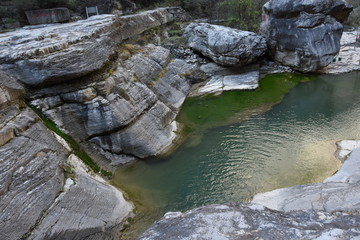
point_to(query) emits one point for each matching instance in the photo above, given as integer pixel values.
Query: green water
(239, 144)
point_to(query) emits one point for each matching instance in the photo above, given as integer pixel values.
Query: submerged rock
(225, 46)
(304, 35)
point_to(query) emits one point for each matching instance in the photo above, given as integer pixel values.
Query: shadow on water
(243, 142)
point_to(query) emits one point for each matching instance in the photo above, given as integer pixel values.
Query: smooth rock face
(225, 46)
(229, 78)
(348, 58)
(304, 35)
(252, 221)
(51, 54)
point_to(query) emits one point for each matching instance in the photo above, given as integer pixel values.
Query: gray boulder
(304, 35)
(225, 46)
(52, 54)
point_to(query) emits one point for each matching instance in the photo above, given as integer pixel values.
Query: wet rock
(225, 46)
(304, 35)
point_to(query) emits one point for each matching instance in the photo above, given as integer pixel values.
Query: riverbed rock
(304, 35)
(49, 54)
(228, 78)
(225, 46)
(252, 221)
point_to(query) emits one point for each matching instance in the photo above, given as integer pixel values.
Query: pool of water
(287, 139)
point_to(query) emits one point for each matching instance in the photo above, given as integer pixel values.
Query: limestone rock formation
(131, 113)
(304, 35)
(229, 78)
(225, 46)
(253, 221)
(45, 192)
(117, 114)
(47, 55)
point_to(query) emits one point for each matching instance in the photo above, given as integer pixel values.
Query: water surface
(235, 153)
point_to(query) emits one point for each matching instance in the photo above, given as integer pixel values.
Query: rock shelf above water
(328, 210)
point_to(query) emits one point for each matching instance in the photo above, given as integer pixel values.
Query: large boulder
(225, 46)
(304, 35)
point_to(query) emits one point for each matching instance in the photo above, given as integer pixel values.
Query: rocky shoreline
(101, 82)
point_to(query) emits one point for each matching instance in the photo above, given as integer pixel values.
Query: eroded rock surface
(56, 53)
(44, 193)
(131, 113)
(253, 221)
(304, 35)
(225, 46)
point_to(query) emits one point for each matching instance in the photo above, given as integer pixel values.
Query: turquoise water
(292, 143)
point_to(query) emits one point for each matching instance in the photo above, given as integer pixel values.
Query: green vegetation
(73, 144)
(210, 110)
(243, 14)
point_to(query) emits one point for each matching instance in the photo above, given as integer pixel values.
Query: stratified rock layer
(40, 56)
(304, 35)
(225, 46)
(44, 193)
(252, 221)
(129, 114)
